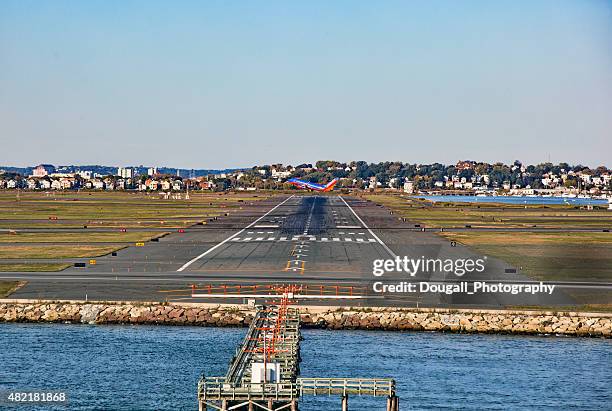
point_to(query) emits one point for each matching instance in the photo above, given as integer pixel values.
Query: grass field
(55, 251)
(562, 255)
(114, 209)
(453, 215)
(81, 237)
(101, 209)
(7, 287)
(35, 267)
(547, 256)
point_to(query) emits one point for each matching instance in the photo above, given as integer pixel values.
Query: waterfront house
(152, 185)
(109, 183)
(165, 185)
(97, 184)
(177, 185)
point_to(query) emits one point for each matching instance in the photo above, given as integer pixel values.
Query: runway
(301, 239)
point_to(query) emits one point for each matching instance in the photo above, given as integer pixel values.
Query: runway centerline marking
(193, 260)
(368, 228)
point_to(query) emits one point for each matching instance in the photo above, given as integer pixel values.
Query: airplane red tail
(330, 185)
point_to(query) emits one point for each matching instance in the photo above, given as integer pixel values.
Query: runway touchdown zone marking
(205, 253)
(310, 239)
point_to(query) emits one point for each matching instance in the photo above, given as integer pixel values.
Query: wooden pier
(264, 372)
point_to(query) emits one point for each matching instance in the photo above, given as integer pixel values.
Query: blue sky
(223, 84)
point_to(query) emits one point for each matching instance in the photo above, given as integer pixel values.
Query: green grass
(529, 238)
(7, 287)
(547, 256)
(81, 237)
(551, 257)
(114, 209)
(449, 215)
(560, 256)
(56, 251)
(37, 267)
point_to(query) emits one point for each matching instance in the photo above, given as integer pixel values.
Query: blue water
(515, 200)
(147, 367)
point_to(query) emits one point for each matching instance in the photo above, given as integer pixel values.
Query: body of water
(157, 368)
(515, 200)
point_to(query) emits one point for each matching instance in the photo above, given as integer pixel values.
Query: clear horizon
(224, 85)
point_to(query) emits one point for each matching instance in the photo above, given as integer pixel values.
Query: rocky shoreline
(390, 319)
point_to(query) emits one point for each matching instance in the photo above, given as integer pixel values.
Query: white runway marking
(349, 227)
(188, 263)
(368, 228)
(302, 239)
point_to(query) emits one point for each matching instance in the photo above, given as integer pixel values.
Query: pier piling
(264, 373)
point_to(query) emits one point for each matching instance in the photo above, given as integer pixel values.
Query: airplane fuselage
(307, 185)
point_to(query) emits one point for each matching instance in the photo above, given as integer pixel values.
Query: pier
(264, 372)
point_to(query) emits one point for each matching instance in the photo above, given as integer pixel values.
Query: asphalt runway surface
(313, 240)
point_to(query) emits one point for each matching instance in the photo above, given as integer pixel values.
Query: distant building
(151, 171)
(465, 165)
(85, 174)
(97, 184)
(125, 172)
(43, 170)
(373, 183)
(177, 185)
(408, 186)
(277, 174)
(32, 183)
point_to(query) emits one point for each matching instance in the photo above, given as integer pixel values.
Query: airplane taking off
(312, 186)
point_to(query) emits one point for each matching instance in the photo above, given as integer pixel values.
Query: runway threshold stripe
(188, 263)
(368, 228)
